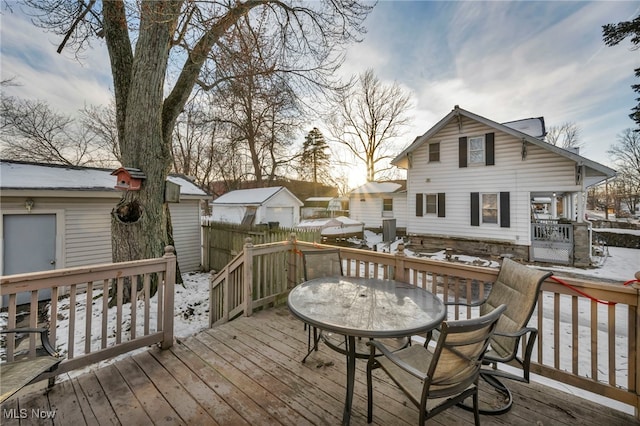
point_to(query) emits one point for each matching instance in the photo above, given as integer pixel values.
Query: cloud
(64, 82)
(509, 60)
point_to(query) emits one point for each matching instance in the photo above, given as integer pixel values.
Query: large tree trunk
(138, 225)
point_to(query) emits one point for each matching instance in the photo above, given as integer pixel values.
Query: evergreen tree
(314, 160)
(614, 34)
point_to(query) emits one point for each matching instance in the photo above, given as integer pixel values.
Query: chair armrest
(471, 305)
(44, 337)
(397, 361)
(516, 334)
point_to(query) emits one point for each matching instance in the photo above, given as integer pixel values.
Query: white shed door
(282, 215)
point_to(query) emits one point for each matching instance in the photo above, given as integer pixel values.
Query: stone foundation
(495, 249)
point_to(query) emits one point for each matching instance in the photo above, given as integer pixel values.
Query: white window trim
(429, 152)
(497, 222)
(469, 151)
(426, 196)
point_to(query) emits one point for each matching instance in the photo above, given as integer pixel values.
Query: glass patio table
(366, 308)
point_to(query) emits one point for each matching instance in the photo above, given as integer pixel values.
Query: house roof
(402, 159)
(254, 196)
(386, 187)
(21, 175)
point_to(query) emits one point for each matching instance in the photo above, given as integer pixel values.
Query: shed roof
(386, 187)
(253, 196)
(21, 175)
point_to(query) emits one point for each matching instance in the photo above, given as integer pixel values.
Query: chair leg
(316, 339)
(369, 392)
(501, 389)
(476, 408)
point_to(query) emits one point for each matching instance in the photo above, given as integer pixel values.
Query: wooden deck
(248, 372)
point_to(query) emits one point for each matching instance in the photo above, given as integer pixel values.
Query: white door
(29, 245)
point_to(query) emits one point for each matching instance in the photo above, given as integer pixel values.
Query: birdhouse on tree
(128, 179)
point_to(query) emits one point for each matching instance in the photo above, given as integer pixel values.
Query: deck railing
(148, 320)
(589, 332)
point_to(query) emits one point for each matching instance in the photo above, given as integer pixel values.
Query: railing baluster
(105, 309)
(575, 334)
(133, 304)
(593, 308)
(611, 343)
(88, 318)
(147, 307)
(119, 299)
(72, 322)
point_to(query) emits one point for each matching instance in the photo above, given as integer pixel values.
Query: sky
(503, 60)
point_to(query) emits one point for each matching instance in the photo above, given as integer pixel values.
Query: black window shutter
(490, 148)
(475, 209)
(441, 206)
(418, 204)
(505, 210)
(462, 152)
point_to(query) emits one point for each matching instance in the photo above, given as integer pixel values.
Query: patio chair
(318, 264)
(435, 379)
(25, 369)
(517, 286)
(327, 263)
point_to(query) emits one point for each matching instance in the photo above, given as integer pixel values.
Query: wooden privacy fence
(146, 321)
(223, 241)
(589, 333)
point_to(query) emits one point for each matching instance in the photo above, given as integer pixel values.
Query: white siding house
(77, 202)
(474, 179)
(258, 206)
(374, 202)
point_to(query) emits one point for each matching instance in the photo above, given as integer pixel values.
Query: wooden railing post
(248, 277)
(636, 350)
(292, 263)
(399, 270)
(169, 284)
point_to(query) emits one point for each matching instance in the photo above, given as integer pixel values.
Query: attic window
(476, 150)
(434, 152)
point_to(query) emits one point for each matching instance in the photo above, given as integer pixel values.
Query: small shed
(375, 202)
(56, 217)
(274, 205)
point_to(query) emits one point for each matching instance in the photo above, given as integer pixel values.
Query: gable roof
(386, 187)
(22, 175)
(254, 196)
(401, 160)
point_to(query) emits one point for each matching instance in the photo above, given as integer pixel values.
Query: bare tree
(32, 131)
(100, 121)
(257, 105)
(144, 40)
(626, 155)
(566, 135)
(367, 118)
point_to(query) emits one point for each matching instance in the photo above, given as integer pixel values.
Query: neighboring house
(58, 217)
(471, 183)
(258, 206)
(320, 207)
(374, 202)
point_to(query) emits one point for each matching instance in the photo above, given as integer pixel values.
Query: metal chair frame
(439, 378)
(517, 286)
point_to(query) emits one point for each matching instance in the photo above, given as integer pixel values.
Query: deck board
(248, 372)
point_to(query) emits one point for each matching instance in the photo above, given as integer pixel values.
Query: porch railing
(148, 320)
(589, 333)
